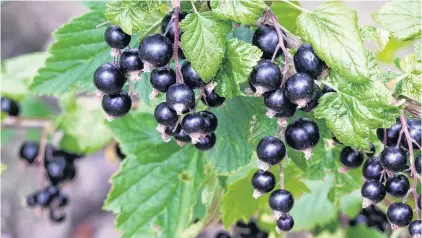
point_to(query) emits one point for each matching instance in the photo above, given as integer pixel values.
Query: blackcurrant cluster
(244, 230)
(372, 217)
(59, 167)
(282, 99)
(9, 106)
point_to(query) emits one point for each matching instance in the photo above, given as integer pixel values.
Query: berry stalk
(280, 41)
(179, 77)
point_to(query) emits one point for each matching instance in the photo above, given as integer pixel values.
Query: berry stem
(193, 7)
(179, 77)
(25, 123)
(281, 37)
(281, 176)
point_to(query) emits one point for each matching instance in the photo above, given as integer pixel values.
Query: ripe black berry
(327, 89)
(58, 170)
(281, 200)
(306, 61)
(109, 79)
(9, 106)
(180, 97)
(415, 131)
(43, 198)
(263, 181)
(222, 234)
(156, 50)
(266, 39)
(31, 200)
(277, 101)
(415, 229)
(397, 185)
(53, 190)
(373, 190)
(313, 103)
(193, 123)
(302, 134)
(191, 77)
(265, 76)
(371, 149)
(206, 143)
(418, 163)
(300, 89)
(182, 136)
(130, 61)
(399, 214)
(116, 38)
(212, 99)
(393, 159)
(211, 121)
(271, 150)
(164, 115)
(350, 157)
(162, 78)
(285, 222)
(57, 216)
(372, 169)
(117, 105)
(392, 133)
(29, 151)
(168, 24)
(62, 200)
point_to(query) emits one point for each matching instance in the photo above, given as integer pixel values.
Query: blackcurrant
(306, 61)
(53, 190)
(285, 222)
(415, 229)
(300, 89)
(271, 150)
(313, 103)
(281, 200)
(265, 76)
(9, 106)
(191, 77)
(206, 143)
(168, 24)
(393, 158)
(117, 105)
(180, 97)
(415, 131)
(263, 181)
(371, 150)
(57, 217)
(373, 190)
(130, 61)
(70, 157)
(277, 101)
(399, 214)
(62, 200)
(57, 170)
(397, 185)
(328, 89)
(43, 198)
(31, 200)
(193, 123)
(212, 99)
(119, 152)
(392, 133)
(266, 39)
(162, 78)
(29, 151)
(418, 163)
(164, 115)
(173, 130)
(372, 169)
(116, 38)
(302, 134)
(350, 157)
(182, 136)
(211, 121)
(109, 79)
(222, 234)
(156, 50)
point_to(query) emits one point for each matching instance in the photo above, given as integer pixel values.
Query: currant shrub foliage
(161, 187)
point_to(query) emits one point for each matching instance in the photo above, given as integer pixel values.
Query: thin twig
(24, 123)
(281, 37)
(296, 6)
(179, 77)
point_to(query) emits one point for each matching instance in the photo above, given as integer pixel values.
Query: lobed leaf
(376, 35)
(239, 11)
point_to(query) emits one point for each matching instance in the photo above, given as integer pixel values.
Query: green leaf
(418, 50)
(351, 204)
(154, 191)
(363, 231)
(378, 36)
(333, 32)
(240, 11)
(354, 110)
(412, 79)
(240, 58)
(402, 18)
(286, 14)
(203, 42)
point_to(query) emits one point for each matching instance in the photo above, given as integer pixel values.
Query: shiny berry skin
(206, 143)
(182, 136)
(271, 150)
(59, 170)
(57, 217)
(266, 39)
(9, 106)
(371, 150)
(350, 157)
(415, 228)
(164, 115)
(300, 89)
(265, 76)
(212, 99)
(373, 190)
(211, 121)
(29, 151)
(285, 222)
(302, 134)
(397, 185)
(117, 105)
(263, 181)
(191, 77)
(222, 234)
(156, 50)
(162, 78)
(327, 89)
(167, 20)
(172, 130)
(415, 131)
(418, 163)
(306, 61)
(392, 133)
(399, 214)
(193, 123)
(372, 169)
(43, 198)
(393, 158)
(53, 190)
(116, 38)
(130, 61)
(313, 103)
(277, 101)
(281, 200)
(31, 200)
(109, 79)
(180, 97)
